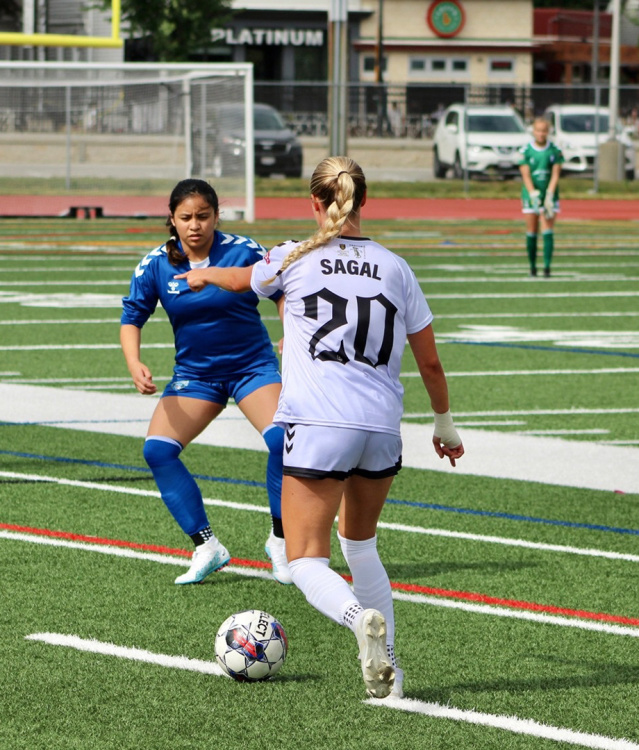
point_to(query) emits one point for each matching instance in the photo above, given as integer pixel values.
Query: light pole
(379, 69)
(614, 68)
(610, 163)
(338, 21)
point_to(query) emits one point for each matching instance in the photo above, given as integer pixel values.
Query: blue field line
(569, 350)
(390, 501)
(125, 467)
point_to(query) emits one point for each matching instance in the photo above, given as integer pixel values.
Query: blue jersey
(218, 334)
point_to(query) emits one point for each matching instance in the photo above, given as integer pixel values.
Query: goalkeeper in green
(540, 166)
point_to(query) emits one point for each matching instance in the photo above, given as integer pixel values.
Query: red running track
(453, 209)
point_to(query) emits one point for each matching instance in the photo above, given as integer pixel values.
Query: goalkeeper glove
(535, 200)
(549, 206)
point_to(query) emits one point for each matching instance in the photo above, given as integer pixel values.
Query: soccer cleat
(547, 272)
(207, 558)
(398, 686)
(378, 673)
(275, 548)
(533, 271)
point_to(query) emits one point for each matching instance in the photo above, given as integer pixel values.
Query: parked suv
(483, 139)
(575, 129)
(277, 149)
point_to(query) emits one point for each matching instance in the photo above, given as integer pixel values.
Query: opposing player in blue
(222, 351)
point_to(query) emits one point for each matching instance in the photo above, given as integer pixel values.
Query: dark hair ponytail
(183, 190)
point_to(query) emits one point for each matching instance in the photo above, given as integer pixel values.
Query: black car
(277, 149)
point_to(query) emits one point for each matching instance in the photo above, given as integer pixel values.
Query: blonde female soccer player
(350, 305)
(540, 166)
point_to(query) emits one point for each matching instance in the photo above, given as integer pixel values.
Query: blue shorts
(219, 392)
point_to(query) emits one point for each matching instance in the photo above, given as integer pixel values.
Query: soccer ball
(251, 646)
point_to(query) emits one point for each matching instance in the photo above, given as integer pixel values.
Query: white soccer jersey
(349, 306)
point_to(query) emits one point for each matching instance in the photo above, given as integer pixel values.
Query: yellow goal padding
(68, 40)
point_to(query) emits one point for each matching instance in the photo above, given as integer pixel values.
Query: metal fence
(411, 110)
(408, 110)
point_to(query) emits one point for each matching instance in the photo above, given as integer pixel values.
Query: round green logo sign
(446, 17)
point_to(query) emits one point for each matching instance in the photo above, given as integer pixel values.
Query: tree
(173, 30)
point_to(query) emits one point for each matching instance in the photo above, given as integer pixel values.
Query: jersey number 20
(338, 319)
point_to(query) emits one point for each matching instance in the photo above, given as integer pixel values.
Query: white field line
(69, 347)
(476, 374)
(124, 490)
(495, 267)
(526, 413)
(435, 250)
(275, 318)
(131, 554)
(566, 277)
(35, 284)
(514, 295)
(510, 373)
(422, 599)
(80, 269)
(84, 321)
(528, 727)
(513, 724)
(532, 295)
(507, 315)
(125, 652)
(505, 541)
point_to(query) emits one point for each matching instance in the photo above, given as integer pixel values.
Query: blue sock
(179, 490)
(274, 439)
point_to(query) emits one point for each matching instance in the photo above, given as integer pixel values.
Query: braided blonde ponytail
(339, 184)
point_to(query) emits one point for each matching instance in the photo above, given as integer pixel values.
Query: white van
(484, 139)
(578, 129)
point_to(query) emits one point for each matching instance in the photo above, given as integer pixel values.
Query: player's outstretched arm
(446, 440)
(130, 338)
(232, 279)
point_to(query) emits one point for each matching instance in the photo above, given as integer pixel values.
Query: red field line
(121, 543)
(408, 587)
(299, 208)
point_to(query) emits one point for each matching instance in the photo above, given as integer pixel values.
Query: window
(501, 66)
(369, 64)
(423, 65)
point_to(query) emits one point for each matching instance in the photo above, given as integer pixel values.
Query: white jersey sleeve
(266, 270)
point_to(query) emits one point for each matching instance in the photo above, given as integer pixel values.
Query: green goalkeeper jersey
(541, 162)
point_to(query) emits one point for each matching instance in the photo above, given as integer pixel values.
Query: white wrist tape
(445, 430)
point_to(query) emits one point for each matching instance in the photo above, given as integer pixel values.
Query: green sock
(549, 246)
(531, 249)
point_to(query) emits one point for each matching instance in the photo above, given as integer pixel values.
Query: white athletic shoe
(275, 548)
(379, 674)
(207, 558)
(398, 687)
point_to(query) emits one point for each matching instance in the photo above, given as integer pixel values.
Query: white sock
(371, 584)
(323, 588)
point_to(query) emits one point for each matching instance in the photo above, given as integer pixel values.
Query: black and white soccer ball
(251, 646)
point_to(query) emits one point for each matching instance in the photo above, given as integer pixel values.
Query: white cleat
(378, 672)
(275, 548)
(207, 558)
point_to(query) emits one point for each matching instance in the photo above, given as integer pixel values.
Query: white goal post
(132, 123)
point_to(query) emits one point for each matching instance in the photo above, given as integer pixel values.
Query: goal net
(127, 128)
